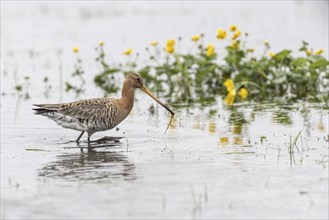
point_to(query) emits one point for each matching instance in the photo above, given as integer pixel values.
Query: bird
(96, 114)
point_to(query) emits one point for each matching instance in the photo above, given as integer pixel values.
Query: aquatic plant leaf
(299, 62)
(280, 78)
(282, 54)
(319, 64)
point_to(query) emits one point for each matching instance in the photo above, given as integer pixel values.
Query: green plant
(78, 73)
(234, 72)
(22, 89)
(106, 79)
(47, 87)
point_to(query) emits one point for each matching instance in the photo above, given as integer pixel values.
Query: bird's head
(136, 82)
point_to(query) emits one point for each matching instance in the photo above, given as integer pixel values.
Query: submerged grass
(241, 152)
(291, 149)
(34, 149)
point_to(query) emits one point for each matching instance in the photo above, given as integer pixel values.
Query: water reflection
(282, 117)
(240, 118)
(90, 165)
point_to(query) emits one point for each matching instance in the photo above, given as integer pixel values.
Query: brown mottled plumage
(99, 114)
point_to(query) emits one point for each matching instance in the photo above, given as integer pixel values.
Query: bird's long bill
(156, 99)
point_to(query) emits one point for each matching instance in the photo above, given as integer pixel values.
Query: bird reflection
(92, 163)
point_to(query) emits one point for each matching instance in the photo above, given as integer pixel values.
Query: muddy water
(214, 162)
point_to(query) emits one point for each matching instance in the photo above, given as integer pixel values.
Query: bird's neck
(127, 97)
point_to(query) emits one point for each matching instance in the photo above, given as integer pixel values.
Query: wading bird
(99, 114)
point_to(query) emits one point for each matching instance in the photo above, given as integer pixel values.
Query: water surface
(214, 162)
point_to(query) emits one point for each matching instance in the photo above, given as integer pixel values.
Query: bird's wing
(89, 108)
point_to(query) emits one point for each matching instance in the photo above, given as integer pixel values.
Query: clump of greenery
(106, 79)
(183, 77)
(47, 87)
(200, 75)
(78, 73)
(22, 89)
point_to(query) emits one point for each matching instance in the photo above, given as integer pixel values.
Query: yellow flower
(266, 43)
(154, 43)
(210, 50)
(221, 34)
(235, 44)
(170, 46)
(229, 100)
(229, 84)
(171, 43)
(170, 49)
(318, 52)
(243, 93)
(250, 50)
(128, 51)
(101, 43)
(75, 49)
(271, 54)
(232, 92)
(233, 28)
(236, 34)
(195, 38)
(309, 52)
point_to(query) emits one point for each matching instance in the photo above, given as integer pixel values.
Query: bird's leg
(90, 149)
(81, 149)
(80, 136)
(88, 139)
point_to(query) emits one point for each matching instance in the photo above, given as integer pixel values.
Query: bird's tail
(45, 108)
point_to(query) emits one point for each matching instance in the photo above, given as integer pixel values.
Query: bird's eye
(138, 80)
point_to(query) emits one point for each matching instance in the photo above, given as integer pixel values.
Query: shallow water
(214, 162)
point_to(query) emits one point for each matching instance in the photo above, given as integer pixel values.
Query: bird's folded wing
(87, 109)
